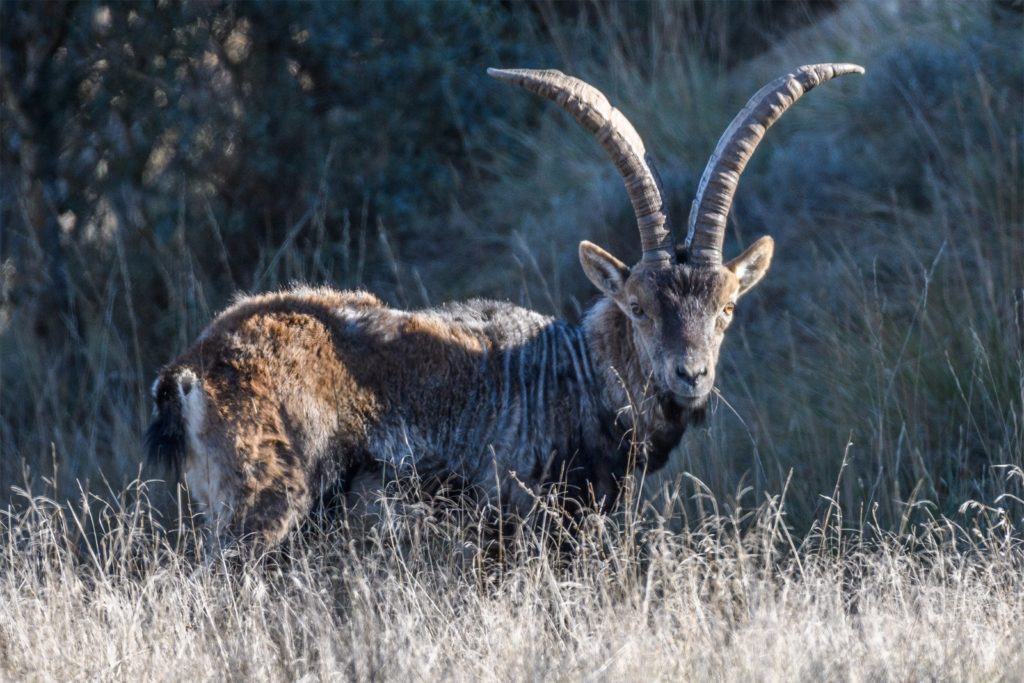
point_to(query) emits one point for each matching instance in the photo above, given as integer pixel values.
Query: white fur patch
(193, 403)
(382, 323)
(204, 467)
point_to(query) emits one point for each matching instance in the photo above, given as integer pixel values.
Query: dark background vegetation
(156, 158)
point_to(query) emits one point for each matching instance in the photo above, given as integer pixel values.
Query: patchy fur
(287, 395)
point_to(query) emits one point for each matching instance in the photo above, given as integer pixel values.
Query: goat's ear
(606, 272)
(750, 266)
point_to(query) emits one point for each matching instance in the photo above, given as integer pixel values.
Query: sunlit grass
(98, 591)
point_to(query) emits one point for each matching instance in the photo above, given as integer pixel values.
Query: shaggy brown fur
(288, 395)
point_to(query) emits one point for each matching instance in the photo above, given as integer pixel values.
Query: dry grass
(731, 597)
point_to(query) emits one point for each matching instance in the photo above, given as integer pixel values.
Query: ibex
(288, 394)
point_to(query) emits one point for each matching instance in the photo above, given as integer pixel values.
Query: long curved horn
(619, 139)
(710, 209)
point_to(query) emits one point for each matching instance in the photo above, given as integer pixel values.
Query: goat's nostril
(685, 374)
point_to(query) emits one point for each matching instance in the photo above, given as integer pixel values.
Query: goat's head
(679, 299)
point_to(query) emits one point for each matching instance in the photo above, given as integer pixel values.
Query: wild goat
(288, 394)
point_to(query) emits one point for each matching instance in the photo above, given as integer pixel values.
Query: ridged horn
(618, 138)
(710, 210)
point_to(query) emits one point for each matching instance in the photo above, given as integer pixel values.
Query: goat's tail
(178, 409)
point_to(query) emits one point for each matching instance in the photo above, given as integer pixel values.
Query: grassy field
(853, 510)
(732, 597)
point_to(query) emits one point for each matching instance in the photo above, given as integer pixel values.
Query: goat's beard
(678, 409)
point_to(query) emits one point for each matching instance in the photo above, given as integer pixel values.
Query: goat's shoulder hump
(303, 296)
(297, 300)
(501, 321)
(483, 311)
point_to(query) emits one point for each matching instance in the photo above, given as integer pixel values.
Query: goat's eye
(729, 308)
(635, 308)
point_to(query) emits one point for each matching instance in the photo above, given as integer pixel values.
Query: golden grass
(98, 592)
